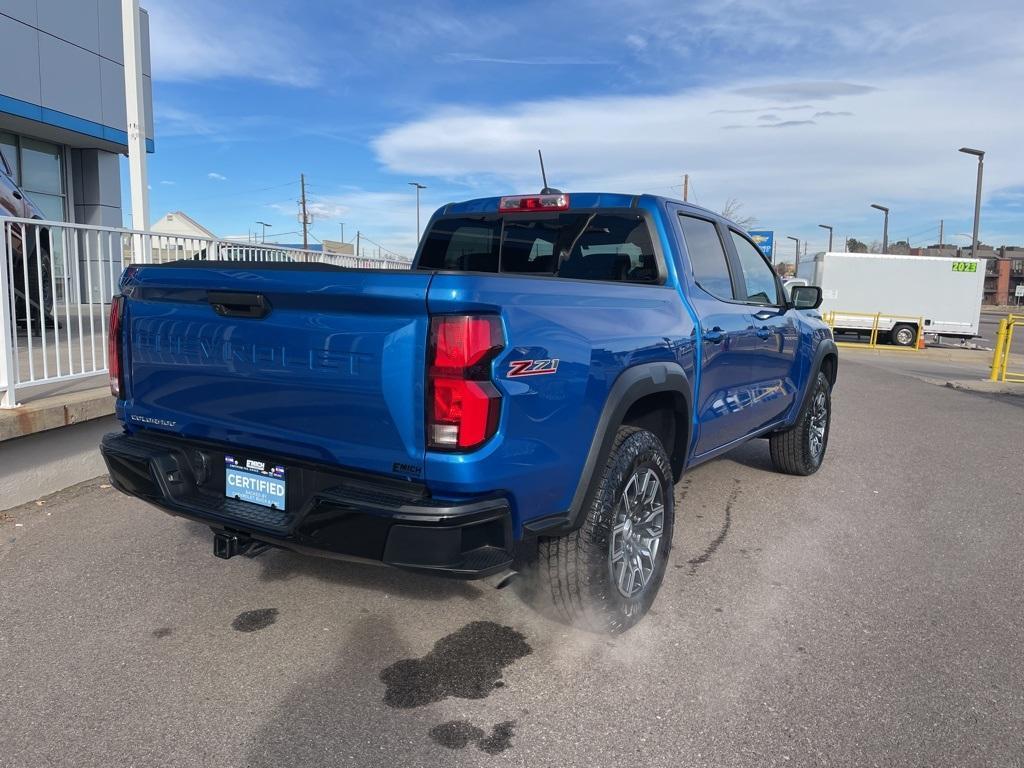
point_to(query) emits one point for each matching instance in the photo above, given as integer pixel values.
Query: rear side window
(462, 245)
(583, 246)
(757, 274)
(707, 256)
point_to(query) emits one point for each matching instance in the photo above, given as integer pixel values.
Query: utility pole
(686, 187)
(305, 218)
(359, 236)
(941, 225)
(342, 225)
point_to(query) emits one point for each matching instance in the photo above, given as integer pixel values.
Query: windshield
(586, 246)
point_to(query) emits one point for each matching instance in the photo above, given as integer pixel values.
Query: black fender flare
(631, 385)
(825, 347)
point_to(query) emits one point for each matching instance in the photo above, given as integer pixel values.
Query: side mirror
(805, 297)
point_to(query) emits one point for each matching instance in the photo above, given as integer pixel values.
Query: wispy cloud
(213, 175)
(788, 124)
(833, 114)
(636, 42)
(548, 61)
(761, 109)
(799, 91)
(213, 39)
(168, 183)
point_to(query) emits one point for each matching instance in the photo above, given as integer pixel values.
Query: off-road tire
(578, 567)
(793, 451)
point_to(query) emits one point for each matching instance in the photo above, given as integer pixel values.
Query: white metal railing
(54, 309)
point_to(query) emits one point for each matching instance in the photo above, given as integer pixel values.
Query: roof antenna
(547, 190)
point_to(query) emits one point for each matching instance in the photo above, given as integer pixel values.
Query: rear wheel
(801, 449)
(605, 575)
(903, 335)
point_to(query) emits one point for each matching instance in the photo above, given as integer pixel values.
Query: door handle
(764, 332)
(227, 304)
(765, 314)
(716, 335)
(17, 194)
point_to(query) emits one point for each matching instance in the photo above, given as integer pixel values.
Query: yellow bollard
(997, 356)
(1011, 325)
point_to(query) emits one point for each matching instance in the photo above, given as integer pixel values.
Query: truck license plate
(254, 481)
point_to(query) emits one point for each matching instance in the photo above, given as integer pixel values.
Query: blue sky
(804, 112)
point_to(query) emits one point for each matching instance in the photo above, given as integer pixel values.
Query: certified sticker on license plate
(254, 481)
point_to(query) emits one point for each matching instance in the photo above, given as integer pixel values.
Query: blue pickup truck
(529, 392)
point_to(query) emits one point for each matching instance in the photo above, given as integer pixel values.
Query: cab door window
(761, 287)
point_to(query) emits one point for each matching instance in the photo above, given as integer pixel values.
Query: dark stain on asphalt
(252, 621)
(500, 738)
(707, 554)
(162, 632)
(466, 664)
(458, 734)
(455, 734)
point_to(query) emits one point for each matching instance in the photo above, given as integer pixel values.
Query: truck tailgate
(333, 371)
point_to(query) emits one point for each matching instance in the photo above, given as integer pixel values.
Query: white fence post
(8, 329)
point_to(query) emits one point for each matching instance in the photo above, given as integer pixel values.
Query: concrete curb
(984, 387)
(55, 411)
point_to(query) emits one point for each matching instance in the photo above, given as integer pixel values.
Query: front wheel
(801, 448)
(605, 575)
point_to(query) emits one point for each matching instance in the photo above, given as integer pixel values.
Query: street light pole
(263, 237)
(977, 196)
(826, 226)
(418, 188)
(342, 225)
(885, 226)
(796, 265)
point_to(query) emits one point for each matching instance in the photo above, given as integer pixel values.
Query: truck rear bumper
(329, 512)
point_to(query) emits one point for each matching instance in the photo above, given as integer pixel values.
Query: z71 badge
(518, 368)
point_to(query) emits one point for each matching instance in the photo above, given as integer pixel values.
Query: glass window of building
(38, 168)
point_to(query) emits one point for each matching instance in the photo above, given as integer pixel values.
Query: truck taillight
(462, 402)
(114, 346)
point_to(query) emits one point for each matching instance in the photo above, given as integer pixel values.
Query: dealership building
(63, 121)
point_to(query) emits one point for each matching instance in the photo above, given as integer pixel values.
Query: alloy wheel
(636, 537)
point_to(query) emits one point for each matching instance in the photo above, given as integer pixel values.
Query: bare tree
(732, 210)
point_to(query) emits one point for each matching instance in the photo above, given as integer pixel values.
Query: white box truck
(945, 292)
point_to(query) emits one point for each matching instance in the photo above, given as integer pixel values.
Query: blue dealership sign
(765, 240)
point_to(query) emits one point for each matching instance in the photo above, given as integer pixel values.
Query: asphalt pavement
(868, 615)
